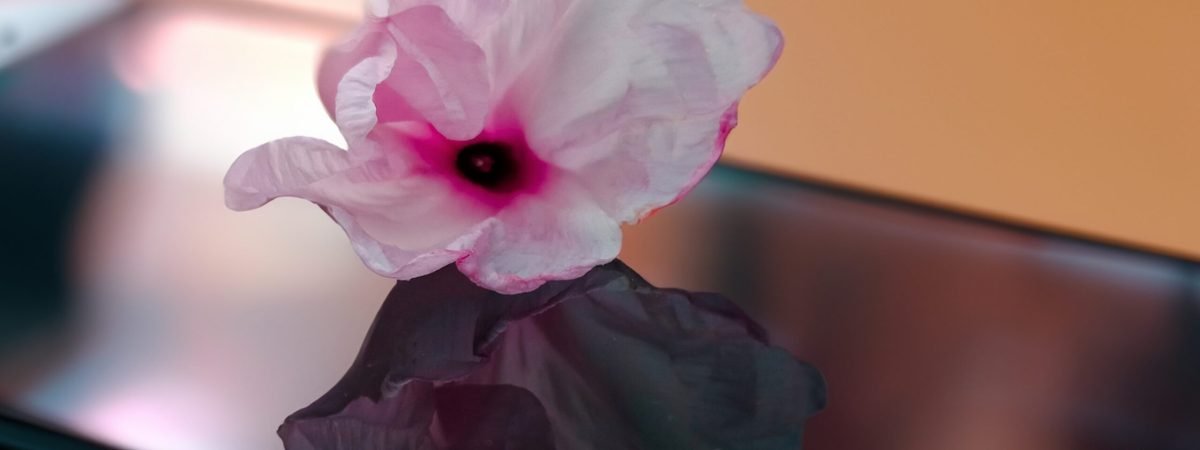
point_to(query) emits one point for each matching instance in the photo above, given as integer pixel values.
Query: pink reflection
(155, 416)
(190, 312)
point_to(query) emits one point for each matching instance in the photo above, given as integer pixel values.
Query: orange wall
(1081, 116)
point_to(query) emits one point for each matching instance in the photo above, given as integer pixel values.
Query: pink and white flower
(514, 137)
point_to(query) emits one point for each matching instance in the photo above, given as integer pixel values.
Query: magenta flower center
(490, 165)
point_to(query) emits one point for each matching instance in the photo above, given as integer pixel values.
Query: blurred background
(977, 218)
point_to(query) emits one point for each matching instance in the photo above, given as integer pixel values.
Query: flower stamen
(487, 164)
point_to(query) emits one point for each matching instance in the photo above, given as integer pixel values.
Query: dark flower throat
(487, 164)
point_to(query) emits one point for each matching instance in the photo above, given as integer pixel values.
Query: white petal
(286, 167)
(396, 262)
(439, 73)
(636, 97)
(355, 111)
(414, 65)
(557, 235)
(401, 223)
(405, 225)
(472, 16)
(655, 164)
(365, 42)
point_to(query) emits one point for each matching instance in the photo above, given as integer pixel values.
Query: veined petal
(661, 77)
(400, 223)
(365, 42)
(512, 33)
(439, 73)
(741, 46)
(405, 225)
(616, 62)
(355, 110)
(558, 234)
(415, 64)
(393, 261)
(655, 163)
(472, 16)
(525, 30)
(286, 167)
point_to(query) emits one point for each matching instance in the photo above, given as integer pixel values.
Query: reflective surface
(138, 310)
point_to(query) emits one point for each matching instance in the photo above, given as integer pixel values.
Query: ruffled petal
(618, 69)
(415, 64)
(473, 17)
(655, 163)
(522, 32)
(367, 42)
(355, 109)
(611, 63)
(557, 234)
(440, 73)
(603, 362)
(399, 261)
(741, 46)
(286, 167)
(512, 33)
(401, 223)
